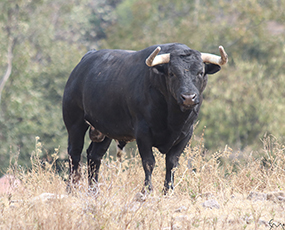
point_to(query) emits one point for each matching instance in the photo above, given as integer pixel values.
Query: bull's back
(86, 75)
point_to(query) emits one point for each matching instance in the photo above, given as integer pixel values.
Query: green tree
(38, 39)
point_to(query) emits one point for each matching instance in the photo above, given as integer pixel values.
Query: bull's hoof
(147, 190)
(71, 188)
(168, 192)
(140, 197)
(68, 188)
(73, 182)
(93, 187)
(93, 190)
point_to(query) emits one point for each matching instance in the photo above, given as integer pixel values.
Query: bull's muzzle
(190, 100)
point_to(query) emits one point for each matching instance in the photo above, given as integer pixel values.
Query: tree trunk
(9, 66)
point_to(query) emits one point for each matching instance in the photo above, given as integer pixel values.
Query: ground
(210, 193)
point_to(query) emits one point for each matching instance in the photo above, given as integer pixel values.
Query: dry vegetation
(222, 191)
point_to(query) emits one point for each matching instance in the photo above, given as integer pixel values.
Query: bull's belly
(162, 138)
(123, 138)
(98, 132)
(164, 143)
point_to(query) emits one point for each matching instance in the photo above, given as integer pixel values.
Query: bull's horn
(154, 59)
(214, 59)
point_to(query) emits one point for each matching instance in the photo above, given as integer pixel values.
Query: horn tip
(222, 49)
(150, 59)
(157, 50)
(224, 55)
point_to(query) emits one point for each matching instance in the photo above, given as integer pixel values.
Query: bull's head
(186, 72)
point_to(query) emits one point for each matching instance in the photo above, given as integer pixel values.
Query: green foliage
(44, 54)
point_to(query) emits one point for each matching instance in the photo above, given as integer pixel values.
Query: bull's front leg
(171, 162)
(148, 166)
(148, 161)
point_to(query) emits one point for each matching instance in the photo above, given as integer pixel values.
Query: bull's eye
(200, 74)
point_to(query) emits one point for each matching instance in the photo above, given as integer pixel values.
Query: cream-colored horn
(154, 59)
(214, 59)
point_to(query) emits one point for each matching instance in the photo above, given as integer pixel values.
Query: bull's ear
(211, 68)
(160, 69)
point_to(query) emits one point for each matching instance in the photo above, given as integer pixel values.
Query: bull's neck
(177, 118)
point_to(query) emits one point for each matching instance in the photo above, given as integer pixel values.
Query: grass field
(227, 190)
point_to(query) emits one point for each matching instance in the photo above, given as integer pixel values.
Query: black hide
(121, 98)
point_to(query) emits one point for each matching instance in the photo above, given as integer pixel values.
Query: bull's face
(186, 76)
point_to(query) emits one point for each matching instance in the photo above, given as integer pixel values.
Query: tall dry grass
(226, 190)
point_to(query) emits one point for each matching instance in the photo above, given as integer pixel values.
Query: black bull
(119, 96)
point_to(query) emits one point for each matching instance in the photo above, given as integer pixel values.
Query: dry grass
(212, 192)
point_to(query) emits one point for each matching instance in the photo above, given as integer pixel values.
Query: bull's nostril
(193, 96)
(189, 97)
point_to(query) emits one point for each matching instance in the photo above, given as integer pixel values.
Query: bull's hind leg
(76, 134)
(76, 127)
(95, 152)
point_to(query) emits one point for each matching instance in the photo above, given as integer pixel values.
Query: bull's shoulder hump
(88, 54)
(107, 54)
